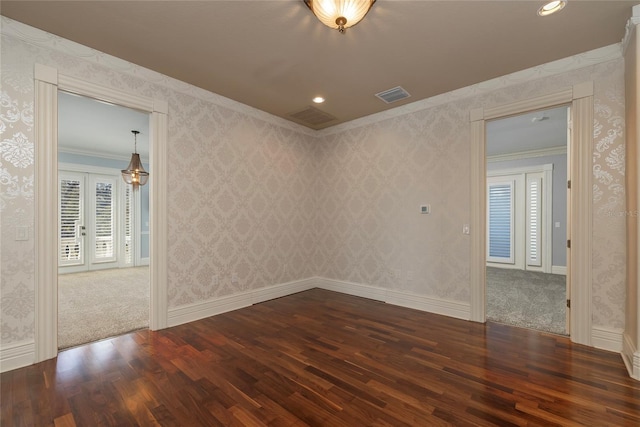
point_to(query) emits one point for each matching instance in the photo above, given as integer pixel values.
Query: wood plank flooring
(320, 358)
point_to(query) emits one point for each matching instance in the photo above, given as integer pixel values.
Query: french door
(519, 219)
(90, 235)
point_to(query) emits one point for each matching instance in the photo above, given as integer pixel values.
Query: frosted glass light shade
(339, 14)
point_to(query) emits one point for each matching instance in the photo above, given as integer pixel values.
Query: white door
(519, 219)
(88, 226)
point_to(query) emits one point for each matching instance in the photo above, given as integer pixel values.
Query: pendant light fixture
(339, 14)
(135, 174)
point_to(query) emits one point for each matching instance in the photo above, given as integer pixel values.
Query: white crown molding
(542, 152)
(99, 155)
(37, 37)
(630, 28)
(592, 57)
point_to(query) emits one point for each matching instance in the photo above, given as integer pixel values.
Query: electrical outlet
(215, 280)
(234, 278)
(466, 229)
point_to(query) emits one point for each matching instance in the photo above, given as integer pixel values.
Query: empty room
(315, 212)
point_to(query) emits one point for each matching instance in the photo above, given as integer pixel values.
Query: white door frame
(47, 83)
(581, 99)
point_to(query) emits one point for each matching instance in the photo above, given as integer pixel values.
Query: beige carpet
(101, 304)
(527, 299)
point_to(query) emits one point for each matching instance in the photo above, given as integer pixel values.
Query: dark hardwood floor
(325, 359)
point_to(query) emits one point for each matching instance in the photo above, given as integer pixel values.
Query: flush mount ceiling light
(339, 14)
(135, 174)
(552, 7)
(318, 100)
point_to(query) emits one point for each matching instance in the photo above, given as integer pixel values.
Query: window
(519, 216)
(500, 226)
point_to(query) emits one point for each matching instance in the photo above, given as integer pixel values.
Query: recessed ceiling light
(318, 100)
(552, 7)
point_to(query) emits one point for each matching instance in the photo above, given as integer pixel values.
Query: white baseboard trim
(351, 288)
(17, 356)
(631, 357)
(607, 338)
(559, 269)
(200, 310)
(192, 312)
(282, 290)
(456, 309)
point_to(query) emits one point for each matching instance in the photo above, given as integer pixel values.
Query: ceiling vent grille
(312, 116)
(393, 95)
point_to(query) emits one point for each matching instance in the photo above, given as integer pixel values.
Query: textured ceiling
(276, 56)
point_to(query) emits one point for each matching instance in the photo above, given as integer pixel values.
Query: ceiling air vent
(312, 116)
(393, 95)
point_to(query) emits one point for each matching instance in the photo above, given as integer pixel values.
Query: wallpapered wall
(373, 178)
(274, 203)
(240, 200)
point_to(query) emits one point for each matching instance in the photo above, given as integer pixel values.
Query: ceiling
(525, 132)
(276, 56)
(96, 128)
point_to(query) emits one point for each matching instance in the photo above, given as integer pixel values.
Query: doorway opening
(48, 81)
(527, 219)
(103, 223)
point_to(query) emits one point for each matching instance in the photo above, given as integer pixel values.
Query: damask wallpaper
(275, 202)
(373, 178)
(247, 207)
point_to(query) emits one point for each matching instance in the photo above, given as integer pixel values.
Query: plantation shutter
(104, 219)
(500, 222)
(70, 216)
(534, 200)
(128, 225)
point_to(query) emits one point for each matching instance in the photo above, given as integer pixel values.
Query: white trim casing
(46, 212)
(158, 216)
(631, 356)
(581, 99)
(48, 81)
(477, 265)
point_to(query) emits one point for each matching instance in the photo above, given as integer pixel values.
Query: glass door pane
(71, 219)
(104, 219)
